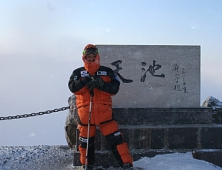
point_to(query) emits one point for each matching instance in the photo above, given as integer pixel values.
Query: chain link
(34, 114)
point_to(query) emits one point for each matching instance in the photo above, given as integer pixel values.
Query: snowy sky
(41, 43)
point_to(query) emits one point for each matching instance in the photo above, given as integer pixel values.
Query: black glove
(98, 81)
(91, 85)
(85, 80)
(88, 82)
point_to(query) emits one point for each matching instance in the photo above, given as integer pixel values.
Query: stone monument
(154, 76)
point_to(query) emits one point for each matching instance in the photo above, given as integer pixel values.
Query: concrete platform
(168, 137)
(106, 158)
(162, 116)
(213, 156)
(160, 129)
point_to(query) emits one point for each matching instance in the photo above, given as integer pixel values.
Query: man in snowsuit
(101, 83)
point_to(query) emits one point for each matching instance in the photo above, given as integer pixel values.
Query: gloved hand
(85, 80)
(88, 81)
(91, 85)
(98, 81)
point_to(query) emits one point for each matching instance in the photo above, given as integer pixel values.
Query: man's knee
(114, 139)
(83, 142)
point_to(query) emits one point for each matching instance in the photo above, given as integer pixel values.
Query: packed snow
(61, 158)
(175, 161)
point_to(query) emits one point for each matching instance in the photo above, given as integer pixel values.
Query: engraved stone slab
(154, 76)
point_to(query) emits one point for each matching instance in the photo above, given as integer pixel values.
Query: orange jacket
(78, 81)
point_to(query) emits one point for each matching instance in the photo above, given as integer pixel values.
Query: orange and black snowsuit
(101, 113)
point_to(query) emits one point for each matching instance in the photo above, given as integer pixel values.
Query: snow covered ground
(61, 158)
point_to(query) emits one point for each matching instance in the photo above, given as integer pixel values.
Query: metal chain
(34, 114)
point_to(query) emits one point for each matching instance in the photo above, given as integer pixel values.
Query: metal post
(90, 111)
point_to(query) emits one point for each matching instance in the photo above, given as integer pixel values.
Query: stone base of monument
(150, 131)
(212, 155)
(106, 158)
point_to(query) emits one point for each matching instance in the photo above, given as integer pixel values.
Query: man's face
(91, 57)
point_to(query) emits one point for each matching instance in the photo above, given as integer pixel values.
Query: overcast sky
(41, 42)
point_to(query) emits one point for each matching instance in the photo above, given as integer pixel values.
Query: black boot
(127, 166)
(88, 167)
